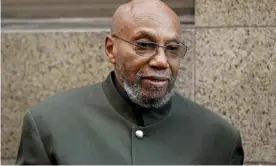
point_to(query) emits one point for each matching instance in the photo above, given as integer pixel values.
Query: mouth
(155, 81)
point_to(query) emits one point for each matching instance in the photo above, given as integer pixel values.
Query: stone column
(236, 69)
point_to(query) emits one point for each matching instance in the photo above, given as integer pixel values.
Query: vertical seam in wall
(194, 65)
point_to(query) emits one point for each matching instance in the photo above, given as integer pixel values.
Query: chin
(156, 100)
(153, 95)
(148, 97)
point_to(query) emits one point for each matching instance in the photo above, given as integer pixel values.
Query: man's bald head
(140, 12)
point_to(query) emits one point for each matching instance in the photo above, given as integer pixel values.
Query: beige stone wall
(236, 69)
(230, 68)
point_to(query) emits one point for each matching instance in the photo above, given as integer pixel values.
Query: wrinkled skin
(146, 20)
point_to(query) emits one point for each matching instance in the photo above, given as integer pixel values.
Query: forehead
(154, 21)
(154, 27)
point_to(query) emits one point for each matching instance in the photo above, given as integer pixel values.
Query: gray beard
(135, 94)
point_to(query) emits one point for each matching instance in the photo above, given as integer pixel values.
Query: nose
(159, 60)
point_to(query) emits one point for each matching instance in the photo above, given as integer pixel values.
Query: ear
(109, 49)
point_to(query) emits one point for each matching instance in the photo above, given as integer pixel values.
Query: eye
(145, 45)
(172, 47)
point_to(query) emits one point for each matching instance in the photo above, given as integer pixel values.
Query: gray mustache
(160, 75)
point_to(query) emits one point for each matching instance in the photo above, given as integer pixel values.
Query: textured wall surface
(38, 65)
(236, 69)
(236, 76)
(235, 13)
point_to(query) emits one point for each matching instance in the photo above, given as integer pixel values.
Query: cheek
(129, 64)
(134, 66)
(174, 65)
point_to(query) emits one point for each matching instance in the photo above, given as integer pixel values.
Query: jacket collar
(129, 110)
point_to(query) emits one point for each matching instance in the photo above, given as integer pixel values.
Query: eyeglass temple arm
(182, 42)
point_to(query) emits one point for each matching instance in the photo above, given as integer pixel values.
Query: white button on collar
(139, 133)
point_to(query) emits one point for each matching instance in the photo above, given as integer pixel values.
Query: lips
(155, 81)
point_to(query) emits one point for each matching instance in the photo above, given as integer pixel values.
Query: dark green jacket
(95, 125)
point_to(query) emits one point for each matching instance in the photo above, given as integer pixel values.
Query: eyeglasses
(148, 49)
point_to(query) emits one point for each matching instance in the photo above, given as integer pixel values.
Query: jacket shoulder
(204, 116)
(66, 101)
(218, 133)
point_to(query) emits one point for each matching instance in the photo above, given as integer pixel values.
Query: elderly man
(134, 116)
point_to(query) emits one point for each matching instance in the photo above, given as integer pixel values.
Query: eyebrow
(144, 34)
(150, 35)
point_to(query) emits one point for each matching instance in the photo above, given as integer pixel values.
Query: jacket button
(139, 134)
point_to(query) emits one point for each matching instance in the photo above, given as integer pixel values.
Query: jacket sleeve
(237, 156)
(31, 149)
